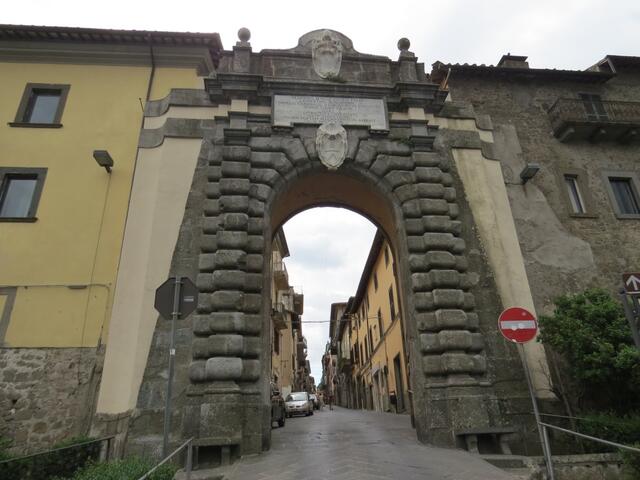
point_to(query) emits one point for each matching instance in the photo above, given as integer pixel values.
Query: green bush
(59, 463)
(592, 334)
(5, 444)
(631, 462)
(131, 468)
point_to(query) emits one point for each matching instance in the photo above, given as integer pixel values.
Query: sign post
(176, 298)
(519, 326)
(630, 297)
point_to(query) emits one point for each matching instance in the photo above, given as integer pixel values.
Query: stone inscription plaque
(312, 110)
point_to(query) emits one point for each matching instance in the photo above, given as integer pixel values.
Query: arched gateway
(274, 133)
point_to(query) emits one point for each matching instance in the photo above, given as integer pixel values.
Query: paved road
(357, 445)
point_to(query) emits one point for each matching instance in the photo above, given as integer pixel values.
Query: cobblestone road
(354, 445)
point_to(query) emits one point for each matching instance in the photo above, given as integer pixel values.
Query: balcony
(298, 303)
(279, 316)
(280, 275)
(575, 119)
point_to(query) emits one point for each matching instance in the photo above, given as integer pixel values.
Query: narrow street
(357, 444)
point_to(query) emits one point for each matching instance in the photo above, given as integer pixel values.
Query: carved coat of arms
(331, 143)
(326, 53)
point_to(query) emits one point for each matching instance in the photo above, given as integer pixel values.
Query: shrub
(131, 468)
(624, 429)
(591, 332)
(631, 462)
(60, 463)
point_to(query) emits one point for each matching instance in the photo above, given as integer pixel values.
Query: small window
(593, 106)
(392, 304)
(625, 196)
(20, 190)
(386, 256)
(41, 106)
(375, 281)
(380, 325)
(573, 190)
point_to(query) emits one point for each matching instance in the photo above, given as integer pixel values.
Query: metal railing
(23, 463)
(574, 110)
(546, 444)
(188, 462)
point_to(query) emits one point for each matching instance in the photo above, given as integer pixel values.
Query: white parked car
(298, 403)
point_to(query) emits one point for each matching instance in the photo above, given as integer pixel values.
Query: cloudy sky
(325, 260)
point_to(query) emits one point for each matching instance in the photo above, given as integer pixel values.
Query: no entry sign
(518, 325)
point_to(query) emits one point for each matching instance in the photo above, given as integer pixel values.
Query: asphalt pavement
(357, 445)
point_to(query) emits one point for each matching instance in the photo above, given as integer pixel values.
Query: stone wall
(46, 394)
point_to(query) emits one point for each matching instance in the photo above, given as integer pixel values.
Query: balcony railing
(601, 120)
(280, 275)
(279, 316)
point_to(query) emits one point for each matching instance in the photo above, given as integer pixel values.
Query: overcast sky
(329, 246)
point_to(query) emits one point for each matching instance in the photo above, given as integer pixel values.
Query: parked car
(298, 403)
(278, 410)
(315, 400)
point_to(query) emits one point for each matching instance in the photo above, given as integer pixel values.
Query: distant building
(368, 341)
(288, 362)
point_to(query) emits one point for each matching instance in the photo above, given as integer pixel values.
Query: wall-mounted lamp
(104, 159)
(528, 172)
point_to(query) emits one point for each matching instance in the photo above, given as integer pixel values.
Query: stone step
(506, 461)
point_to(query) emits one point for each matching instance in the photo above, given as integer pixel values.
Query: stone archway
(401, 167)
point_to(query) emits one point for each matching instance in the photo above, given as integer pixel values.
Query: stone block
(437, 223)
(260, 192)
(469, 301)
(415, 244)
(255, 263)
(204, 303)
(255, 243)
(444, 278)
(255, 208)
(234, 186)
(366, 153)
(451, 319)
(252, 303)
(235, 221)
(234, 203)
(228, 279)
(255, 226)
(206, 262)
(197, 372)
(212, 190)
(253, 283)
(211, 208)
(449, 194)
(214, 174)
(428, 174)
(459, 245)
(425, 159)
(208, 243)
(210, 225)
(265, 176)
(396, 178)
(434, 207)
(447, 179)
(250, 370)
(229, 259)
(407, 192)
(462, 263)
(448, 298)
(453, 209)
(232, 240)
(204, 282)
(430, 190)
(236, 169)
(237, 153)
(438, 241)
(386, 163)
(226, 300)
(415, 226)
(223, 368)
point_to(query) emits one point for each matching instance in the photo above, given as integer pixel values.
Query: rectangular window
(577, 204)
(20, 190)
(380, 326)
(276, 341)
(392, 304)
(625, 195)
(41, 105)
(386, 256)
(375, 281)
(370, 341)
(594, 107)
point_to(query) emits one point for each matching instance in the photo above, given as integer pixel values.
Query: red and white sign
(518, 325)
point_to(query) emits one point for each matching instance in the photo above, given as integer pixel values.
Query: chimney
(513, 61)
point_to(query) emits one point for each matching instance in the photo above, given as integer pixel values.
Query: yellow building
(378, 374)
(73, 101)
(286, 326)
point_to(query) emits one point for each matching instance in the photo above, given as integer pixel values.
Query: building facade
(229, 145)
(73, 101)
(369, 339)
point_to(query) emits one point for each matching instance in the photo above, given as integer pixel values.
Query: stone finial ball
(244, 34)
(404, 44)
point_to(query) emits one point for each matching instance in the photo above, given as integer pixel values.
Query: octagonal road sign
(518, 325)
(188, 297)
